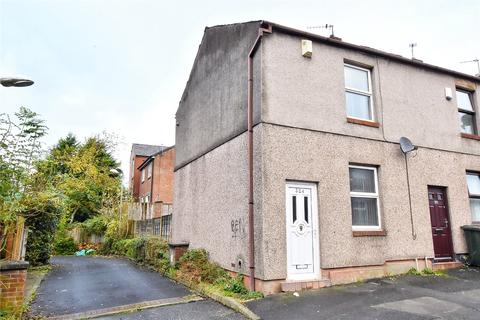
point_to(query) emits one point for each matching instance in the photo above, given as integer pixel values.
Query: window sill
(470, 136)
(378, 233)
(363, 122)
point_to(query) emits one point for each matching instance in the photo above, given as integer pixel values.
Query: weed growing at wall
(425, 272)
(194, 268)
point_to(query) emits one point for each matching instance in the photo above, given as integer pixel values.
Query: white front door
(303, 259)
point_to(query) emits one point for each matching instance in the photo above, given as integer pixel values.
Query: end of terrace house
(288, 166)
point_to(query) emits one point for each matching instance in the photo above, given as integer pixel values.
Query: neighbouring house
(289, 167)
(139, 153)
(155, 193)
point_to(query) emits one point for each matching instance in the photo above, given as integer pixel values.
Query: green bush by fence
(64, 246)
(194, 267)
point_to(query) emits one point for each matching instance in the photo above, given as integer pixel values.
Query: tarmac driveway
(454, 296)
(86, 284)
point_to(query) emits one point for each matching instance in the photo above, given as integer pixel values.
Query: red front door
(442, 236)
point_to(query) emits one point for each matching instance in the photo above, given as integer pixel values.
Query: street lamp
(15, 82)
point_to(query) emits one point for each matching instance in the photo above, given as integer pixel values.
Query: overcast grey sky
(121, 65)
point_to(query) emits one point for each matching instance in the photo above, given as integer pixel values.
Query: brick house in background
(139, 153)
(317, 172)
(155, 193)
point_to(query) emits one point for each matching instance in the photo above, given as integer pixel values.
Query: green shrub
(64, 246)
(235, 285)
(156, 249)
(41, 236)
(424, 272)
(150, 250)
(428, 271)
(195, 267)
(96, 225)
(413, 272)
(121, 247)
(106, 248)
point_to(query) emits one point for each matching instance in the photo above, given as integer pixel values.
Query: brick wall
(134, 183)
(159, 187)
(145, 187)
(13, 275)
(163, 177)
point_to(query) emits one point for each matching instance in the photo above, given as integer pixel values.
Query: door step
(291, 286)
(436, 266)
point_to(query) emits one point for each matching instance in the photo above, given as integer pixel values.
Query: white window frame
(149, 170)
(376, 195)
(472, 195)
(143, 174)
(361, 92)
(469, 112)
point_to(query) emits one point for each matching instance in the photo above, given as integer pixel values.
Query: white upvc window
(149, 170)
(143, 174)
(466, 111)
(473, 182)
(358, 92)
(364, 198)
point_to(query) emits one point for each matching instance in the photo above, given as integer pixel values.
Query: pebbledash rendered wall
(302, 134)
(211, 204)
(323, 158)
(306, 137)
(211, 175)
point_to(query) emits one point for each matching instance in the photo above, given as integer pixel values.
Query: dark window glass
(294, 204)
(305, 205)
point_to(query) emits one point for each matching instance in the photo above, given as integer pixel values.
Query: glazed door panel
(301, 225)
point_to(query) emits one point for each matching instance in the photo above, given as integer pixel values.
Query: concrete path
(455, 296)
(79, 286)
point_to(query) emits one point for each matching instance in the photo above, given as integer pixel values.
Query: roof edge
(151, 157)
(384, 54)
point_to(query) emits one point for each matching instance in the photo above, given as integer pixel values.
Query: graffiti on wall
(239, 228)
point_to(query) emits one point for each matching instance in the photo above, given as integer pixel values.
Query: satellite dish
(406, 145)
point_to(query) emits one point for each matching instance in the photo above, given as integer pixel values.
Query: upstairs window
(149, 170)
(143, 175)
(473, 182)
(364, 198)
(358, 92)
(466, 112)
